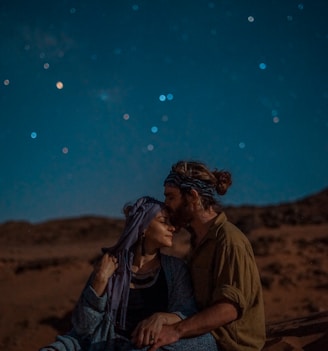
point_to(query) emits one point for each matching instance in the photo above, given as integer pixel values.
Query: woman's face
(159, 232)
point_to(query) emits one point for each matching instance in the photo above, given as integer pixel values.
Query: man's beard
(181, 216)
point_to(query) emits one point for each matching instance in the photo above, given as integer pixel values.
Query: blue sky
(99, 98)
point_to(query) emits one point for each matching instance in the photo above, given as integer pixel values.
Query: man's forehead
(171, 190)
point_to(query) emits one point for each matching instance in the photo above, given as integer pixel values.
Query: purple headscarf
(138, 219)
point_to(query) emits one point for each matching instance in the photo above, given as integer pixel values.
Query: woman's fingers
(149, 337)
(143, 336)
(106, 267)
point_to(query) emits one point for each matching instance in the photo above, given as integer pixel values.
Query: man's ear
(194, 196)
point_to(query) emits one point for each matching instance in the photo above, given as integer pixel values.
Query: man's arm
(219, 314)
(210, 318)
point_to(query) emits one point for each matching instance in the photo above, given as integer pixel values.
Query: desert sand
(44, 266)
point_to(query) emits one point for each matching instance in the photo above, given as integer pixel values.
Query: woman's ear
(146, 231)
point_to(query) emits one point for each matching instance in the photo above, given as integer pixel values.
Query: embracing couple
(138, 298)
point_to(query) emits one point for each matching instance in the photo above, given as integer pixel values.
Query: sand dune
(43, 268)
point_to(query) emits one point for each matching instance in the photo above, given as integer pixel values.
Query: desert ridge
(44, 267)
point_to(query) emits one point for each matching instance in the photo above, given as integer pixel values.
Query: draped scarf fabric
(184, 182)
(138, 219)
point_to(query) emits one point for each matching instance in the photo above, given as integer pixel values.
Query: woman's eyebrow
(162, 217)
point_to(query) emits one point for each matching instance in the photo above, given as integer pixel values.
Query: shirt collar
(217, 223)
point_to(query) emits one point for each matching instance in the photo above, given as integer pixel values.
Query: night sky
(99, 98)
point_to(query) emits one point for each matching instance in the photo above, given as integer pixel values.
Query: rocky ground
(44, 266)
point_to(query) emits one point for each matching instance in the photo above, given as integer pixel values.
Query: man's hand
(168, 335)
(147, 331)
(210, 318)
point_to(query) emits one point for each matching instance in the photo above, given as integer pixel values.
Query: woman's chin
(169, 244)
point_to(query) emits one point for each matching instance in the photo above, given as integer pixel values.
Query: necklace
(144, 279)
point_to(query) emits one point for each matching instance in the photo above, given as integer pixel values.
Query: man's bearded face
(182, 215)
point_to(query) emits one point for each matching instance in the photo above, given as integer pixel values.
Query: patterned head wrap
(138, 219)
(184, 182)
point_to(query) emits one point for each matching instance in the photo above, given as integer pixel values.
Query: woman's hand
(148, 330)
(104, 269)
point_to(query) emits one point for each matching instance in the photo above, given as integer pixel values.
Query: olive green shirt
(223, 267)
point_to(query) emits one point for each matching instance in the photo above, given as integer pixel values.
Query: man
(225, 276)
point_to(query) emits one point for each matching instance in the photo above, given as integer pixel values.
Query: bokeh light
(111, 107)
(59, 85)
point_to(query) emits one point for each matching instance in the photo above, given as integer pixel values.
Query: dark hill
(309, 210)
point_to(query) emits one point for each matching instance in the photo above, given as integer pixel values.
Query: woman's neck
(147, 259)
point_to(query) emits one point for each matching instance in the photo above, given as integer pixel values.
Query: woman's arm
(181, 303)
(68, 342)
(102, 272)
(89, 312)
(181, 296)
(90, 309)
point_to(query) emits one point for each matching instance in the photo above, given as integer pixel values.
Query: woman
(134, 290)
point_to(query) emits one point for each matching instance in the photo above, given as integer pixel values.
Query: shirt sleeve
(89, 311)
(68, 342)
(234, 277)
